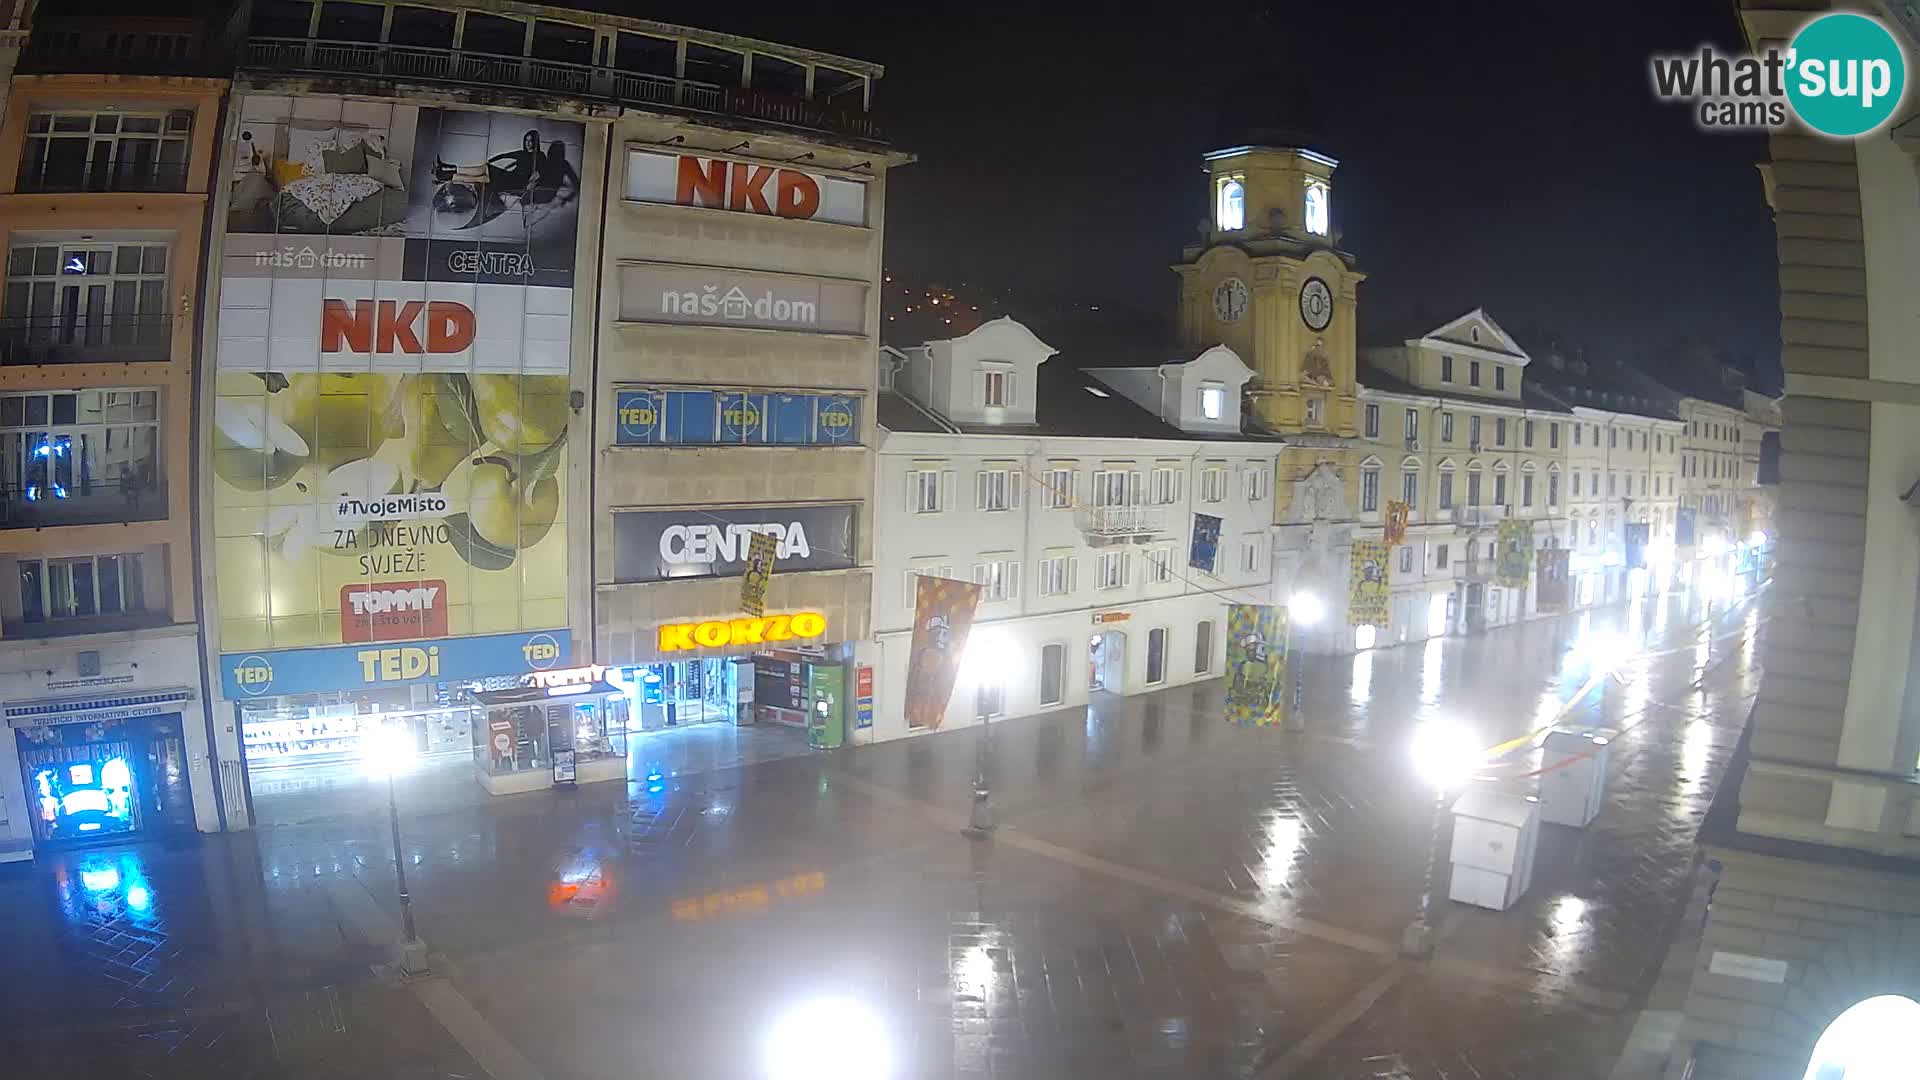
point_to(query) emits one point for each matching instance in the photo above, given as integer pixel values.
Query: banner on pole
(942, 617)
(753, 583)
(1639, 533)
(1257, 664)
(1552, 587)
(1515, 559)
(1395, 532)
(1205, 551)
(1369, 601)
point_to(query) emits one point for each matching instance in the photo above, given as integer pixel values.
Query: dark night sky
(1505, 154)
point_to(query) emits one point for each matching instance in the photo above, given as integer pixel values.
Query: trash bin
(1494, 834)
(1573, 778)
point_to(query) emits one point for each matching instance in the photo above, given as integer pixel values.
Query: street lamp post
(1304, 610)
(1445, 755)
(986, 662)
(409, 953)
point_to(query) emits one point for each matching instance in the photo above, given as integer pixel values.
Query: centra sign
(762, 630)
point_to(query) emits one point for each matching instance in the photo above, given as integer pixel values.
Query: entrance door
(1106, 661)
(1476, 608)
(1053, 670)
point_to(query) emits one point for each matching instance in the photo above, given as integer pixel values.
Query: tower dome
(1271, 105)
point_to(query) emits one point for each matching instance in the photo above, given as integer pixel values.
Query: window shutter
(1073, 573)
(979, 573)
(913, 589)
(947, 485)
(1134, 487)
(1010, 382)
(980, 386)
(1013, 580)
(1016, 479)
(913, 491)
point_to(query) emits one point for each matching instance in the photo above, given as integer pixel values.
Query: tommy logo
(393, 611)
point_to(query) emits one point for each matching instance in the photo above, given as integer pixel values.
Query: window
(913, 580)
(997, 489)
(1612, 477)
(1053, 670)
(1369, 490)
(1553, 489)
(1473, 373)
(1203, 647)
(1526, 490)
(1057, 574)
(1499, 377)
(1577, 429)
(1406, 559)
(1316, 410)
(996, 388)
(1500, 431)
(1230, 211)
(77, 456)
(1553, 437)
(1112, 570)
(1372, 421)
(1251, 547)
(1256, 483)
(1499, 489)
(1441, 553)
(1576, 483)
(999, 579)
(1446, 428)
(1156, 656)
(925, 488)
(990, 697)
(1473, 487)
(65, 301)
(1115, 487)
(1593, 532)
(1317, 212)
(1595, 433)
(1412, 425)
(1446, 369)
(1613, 438)
(1526, 434)
(1213, 483)
(1166, 485)
(1160, 565)
(1410, 488)
(106, 151)
(1473, 432)
(1213, 401)
(78, 588)
(1446, 489)
(1059, 488)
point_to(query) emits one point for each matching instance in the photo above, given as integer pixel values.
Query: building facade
(1807, 961)
(1071, 497)
(107, 160)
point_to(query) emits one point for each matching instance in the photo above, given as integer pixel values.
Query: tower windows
(1317, 214)
(1231, 211)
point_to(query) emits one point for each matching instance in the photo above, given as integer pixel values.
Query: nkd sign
(744, 187)
(703, 296)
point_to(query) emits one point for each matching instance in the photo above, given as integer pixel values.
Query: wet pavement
(1167, 896)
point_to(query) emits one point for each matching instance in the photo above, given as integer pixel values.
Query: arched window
(1232, 212)
(1873, 1038)
(1318, 217)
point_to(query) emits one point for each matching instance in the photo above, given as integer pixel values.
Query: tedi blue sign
(362, 667)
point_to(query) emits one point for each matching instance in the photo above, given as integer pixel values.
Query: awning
(520, 695)
(41, 712)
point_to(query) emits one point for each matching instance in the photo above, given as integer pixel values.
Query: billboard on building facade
(393, 356)
(1515, 559)
(745, 187)
(942, 618)
(1552, 584)
(1256, 664)
(714, 296)
(656, 545)
(1369, 599)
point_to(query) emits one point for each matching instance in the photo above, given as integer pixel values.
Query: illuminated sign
(731, 418)
(1103, 617)
(768, 190)
(392, 612)
(349, 667)
(760, 630)
(390, 326)
(592, 673)
(658, 545)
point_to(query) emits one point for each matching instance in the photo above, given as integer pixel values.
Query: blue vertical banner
(1205, 552)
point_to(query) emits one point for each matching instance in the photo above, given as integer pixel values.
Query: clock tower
(1268, 280)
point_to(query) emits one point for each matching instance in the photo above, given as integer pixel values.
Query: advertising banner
(1553, 587)
(1685, 527)
(1638, 534)
(723, 418)
(1369, 603)
(1205, 552)
(713, 296)
(942, 616)
(1256, 664)
(1515, 558)
(1395, 531)
(744, 187)
(392, 370)
(753, 583)
(348, 667)
(654, 545)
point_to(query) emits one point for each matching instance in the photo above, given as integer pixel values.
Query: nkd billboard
(391, 398)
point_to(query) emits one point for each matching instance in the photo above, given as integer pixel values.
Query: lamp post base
(980, 823)
(410, 958)
(1416, 941)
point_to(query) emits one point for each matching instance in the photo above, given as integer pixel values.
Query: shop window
(1156, 656)
(80, 456)
(1203, 647)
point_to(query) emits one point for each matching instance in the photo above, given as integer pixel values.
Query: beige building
(1817, 909)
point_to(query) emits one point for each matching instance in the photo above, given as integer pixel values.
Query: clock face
(1230, 300)
(1316, 304)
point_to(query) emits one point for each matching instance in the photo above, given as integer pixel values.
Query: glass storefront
(96, 780)
(532, 737)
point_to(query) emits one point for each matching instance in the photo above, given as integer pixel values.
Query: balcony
(37, 177)
(1478, 517)
(94, 502)
(110, 339)
(378, 60)
(1121, 524)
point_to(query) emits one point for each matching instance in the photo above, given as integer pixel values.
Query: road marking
(1302, 1053)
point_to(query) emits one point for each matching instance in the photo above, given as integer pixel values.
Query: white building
(1070, 495)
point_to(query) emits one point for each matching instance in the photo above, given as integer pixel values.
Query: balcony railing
(1120, 522)
(377, 60)
(112, 339)
(40, 177)
(1478, 517)
(85, 503)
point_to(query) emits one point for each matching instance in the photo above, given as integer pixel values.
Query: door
(1053, 670)
(1156, 656)
(1476, 608)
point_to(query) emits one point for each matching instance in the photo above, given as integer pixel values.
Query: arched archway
(1871, 1040)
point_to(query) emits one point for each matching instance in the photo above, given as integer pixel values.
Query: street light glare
(828, 1039)
(1445, 754)
(1305, 609)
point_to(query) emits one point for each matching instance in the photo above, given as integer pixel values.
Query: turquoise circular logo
(1845, 74)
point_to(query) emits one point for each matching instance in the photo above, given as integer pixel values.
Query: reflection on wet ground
(1168, 896)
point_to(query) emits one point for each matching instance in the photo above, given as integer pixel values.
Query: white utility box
(1494, 834)
(1573, 778)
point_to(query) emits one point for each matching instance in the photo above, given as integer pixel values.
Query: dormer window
(1318, 217)
(1230, 213)
(1213, 401)
(996, 388)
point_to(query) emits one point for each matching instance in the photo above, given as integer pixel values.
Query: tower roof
(1271, 105)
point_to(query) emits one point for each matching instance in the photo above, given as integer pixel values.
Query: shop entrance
(105, 780)
(1107, 661)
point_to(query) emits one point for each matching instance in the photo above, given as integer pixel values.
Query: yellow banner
(1368, 600)
(753, 583)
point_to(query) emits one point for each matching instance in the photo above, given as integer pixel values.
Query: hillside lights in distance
(1305, 609)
